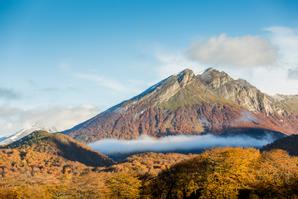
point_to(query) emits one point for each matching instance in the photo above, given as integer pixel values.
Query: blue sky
(62, 54)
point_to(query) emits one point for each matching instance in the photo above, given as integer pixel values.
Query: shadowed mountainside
(289, 144)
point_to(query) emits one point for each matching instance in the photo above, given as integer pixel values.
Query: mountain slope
(56, 144)
(191, 104)
(289, 144)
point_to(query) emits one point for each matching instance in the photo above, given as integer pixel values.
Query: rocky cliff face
(187, 103)
(241, 92)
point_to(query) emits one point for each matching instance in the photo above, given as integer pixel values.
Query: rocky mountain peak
(185, 76)
(214, 78)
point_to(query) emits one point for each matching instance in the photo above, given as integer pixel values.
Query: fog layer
(176, 143)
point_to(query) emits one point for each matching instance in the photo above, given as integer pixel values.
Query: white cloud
(273, 60)
(243, 51)
(65, 64)
(272, 81)
(129, 87)
(173, 143)
(293, 73)
(13, 119)
(172, 63)
(286, 39)
(103, 81)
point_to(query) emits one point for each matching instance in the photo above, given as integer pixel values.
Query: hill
(289, 144)
(46, 153)
(229, 173)
(23, 133)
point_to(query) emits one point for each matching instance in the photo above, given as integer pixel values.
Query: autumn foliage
(229, 173)
(217, 173)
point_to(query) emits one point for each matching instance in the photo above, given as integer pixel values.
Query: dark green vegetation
(289, 144)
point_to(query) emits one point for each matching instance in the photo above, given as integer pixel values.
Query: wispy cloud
(126, 87)
(171, 63)
(102, 81)
(286, 39)
(13, 119)
(293, 73)
(65, 64)
(9, 94)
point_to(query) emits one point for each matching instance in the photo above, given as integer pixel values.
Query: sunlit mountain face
(189, 104)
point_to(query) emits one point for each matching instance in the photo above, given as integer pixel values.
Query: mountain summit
(211, 102)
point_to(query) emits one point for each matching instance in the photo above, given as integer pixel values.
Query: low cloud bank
(176, 143)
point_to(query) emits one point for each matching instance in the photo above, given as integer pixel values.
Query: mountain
(56, 144)
(211, 102)
(23, 133)
(1, 139)
(289, 144)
